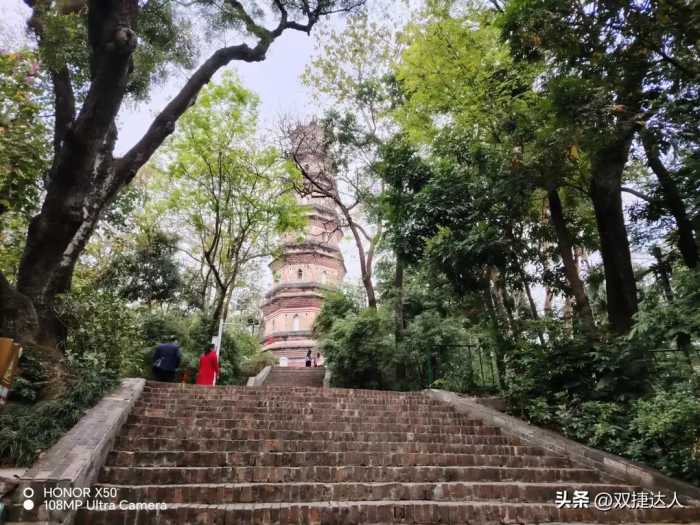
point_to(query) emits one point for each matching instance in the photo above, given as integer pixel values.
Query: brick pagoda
(309, 264)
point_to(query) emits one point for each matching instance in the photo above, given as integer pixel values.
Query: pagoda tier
(307, 267)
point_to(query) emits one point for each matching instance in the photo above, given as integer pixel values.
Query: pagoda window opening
(300, 275)
(295, 322)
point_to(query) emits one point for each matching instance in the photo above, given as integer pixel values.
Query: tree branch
(637, 193)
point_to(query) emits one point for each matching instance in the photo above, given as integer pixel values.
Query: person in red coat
(208, 367)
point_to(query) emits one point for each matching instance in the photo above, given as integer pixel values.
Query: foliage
(24, 151)
(23, 134)
(255, 363)
(165, 45)
(101, 326)
(228, 196)
(666, 430)
(26, 431)
(336, 305)
(358, 349)
(149, 273)
(601, 395)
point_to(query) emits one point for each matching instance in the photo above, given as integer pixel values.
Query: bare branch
(637, 193)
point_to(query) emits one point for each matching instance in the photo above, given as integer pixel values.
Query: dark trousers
(166, 376)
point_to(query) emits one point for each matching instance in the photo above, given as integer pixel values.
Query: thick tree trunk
(672, 201)
(620, 285)
(81, 177)
(565, 248)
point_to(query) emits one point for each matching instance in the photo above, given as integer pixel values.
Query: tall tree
(96, 53)
(460, 83)
(353, 70)
(230, 195)
(607, 64)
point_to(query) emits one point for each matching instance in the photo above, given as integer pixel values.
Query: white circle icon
(28, 492)
(28, 504)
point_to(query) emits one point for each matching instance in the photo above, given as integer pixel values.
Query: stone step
(381, 512)
(296, 408)
(320, 417)
(334, 474)
(273, 392)
(356, 426)
(487, 436)
(291, 398)
(307, 492)
(124, 458)
(296, 377)
(225, 445)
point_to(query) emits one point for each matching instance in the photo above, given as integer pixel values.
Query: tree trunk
(662, 273)
(548, 296)
(620, 285)
(502, 301)
(500, 342)
(672, 201)
(398, 312)
(565, 248)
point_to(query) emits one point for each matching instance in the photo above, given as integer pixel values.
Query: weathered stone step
(286, 392)
(122, 458)
(354, 402)
(323, 417)
(487, 435)
(383, 512)
(306, 492)
(355, 426)
(405, 447)
(297, 408)
(280, 376)
(330, 474)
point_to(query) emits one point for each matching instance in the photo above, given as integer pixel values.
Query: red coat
(208, 369)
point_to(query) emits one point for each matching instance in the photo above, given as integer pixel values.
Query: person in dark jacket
(166, 360)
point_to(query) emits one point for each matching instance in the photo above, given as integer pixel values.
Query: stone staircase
(268, 455)
(287, 376)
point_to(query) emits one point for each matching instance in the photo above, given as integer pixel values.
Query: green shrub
(665, 431)
(27, 430)
(358, 350)
(599, 424)
(253, 365)
(101, 324)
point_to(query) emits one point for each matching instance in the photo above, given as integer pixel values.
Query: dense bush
(27, 430)
(254, 364)
(358, 350)
(595, 396)
(361, 350)
(100, 324)
(665, 432)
